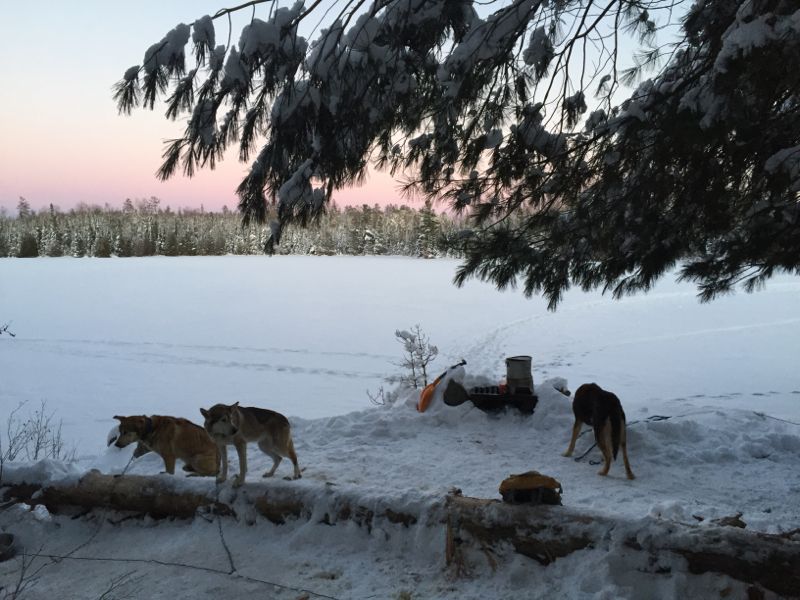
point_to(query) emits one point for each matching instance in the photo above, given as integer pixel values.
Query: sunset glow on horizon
(63, 142)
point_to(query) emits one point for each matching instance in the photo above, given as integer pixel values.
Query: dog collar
(148, 425)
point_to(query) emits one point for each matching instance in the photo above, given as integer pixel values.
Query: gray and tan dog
(171, 438)
(237, 425)
(602, 411)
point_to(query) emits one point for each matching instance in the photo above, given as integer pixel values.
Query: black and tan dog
(171, 438)
(603, 412)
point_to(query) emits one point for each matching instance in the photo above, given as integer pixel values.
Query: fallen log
(162, 497)
(128, 493)
(547, 533)
(542, 533)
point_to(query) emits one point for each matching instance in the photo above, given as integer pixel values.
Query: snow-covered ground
(309, 335)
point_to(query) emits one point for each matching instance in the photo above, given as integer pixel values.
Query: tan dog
(171, 438)
(603, 411)
(237, 425)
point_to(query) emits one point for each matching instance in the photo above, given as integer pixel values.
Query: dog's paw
(631, 476)
(268, 474)
(221, 479)
(238, 481)
(603, 473)
(566, 454)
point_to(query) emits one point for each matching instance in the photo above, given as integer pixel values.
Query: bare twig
(118, 584)
(378, 398)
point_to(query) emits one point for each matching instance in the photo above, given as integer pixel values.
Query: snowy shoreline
(703, 466)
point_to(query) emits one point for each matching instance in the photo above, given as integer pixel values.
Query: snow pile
(690, 469)
(43, 471)
(405, 458)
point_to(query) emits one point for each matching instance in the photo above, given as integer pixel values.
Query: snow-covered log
(490, 527)
(167, 497)
(546, 533)
(156, 496)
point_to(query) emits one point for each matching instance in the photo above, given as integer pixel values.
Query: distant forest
(145, 228)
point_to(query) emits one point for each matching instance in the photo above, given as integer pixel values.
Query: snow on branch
(512, 108)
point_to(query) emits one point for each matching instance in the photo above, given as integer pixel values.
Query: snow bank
(703, 464)
(44, 472)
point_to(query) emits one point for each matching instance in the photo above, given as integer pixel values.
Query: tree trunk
(546, 533)
(156, 496)
(161, 497)
(542, 533)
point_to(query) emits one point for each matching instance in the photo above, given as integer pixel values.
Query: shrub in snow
(418, 353)
(33, 437)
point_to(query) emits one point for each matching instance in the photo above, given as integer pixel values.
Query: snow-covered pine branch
(484, 105)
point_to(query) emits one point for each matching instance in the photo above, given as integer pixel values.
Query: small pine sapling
(419, 353)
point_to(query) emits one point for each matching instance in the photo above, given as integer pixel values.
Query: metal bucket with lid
(518, 374)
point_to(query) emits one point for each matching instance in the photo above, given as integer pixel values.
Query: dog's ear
(235, 404)
(118, 418)
(204, 412)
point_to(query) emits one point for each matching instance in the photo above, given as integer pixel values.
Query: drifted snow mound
(42, 471)
(113, 434)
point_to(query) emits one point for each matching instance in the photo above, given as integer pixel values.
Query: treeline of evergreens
(144, 228)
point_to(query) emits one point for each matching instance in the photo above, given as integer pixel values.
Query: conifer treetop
(521, 111)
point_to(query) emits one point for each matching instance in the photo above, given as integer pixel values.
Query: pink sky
(61, 140)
